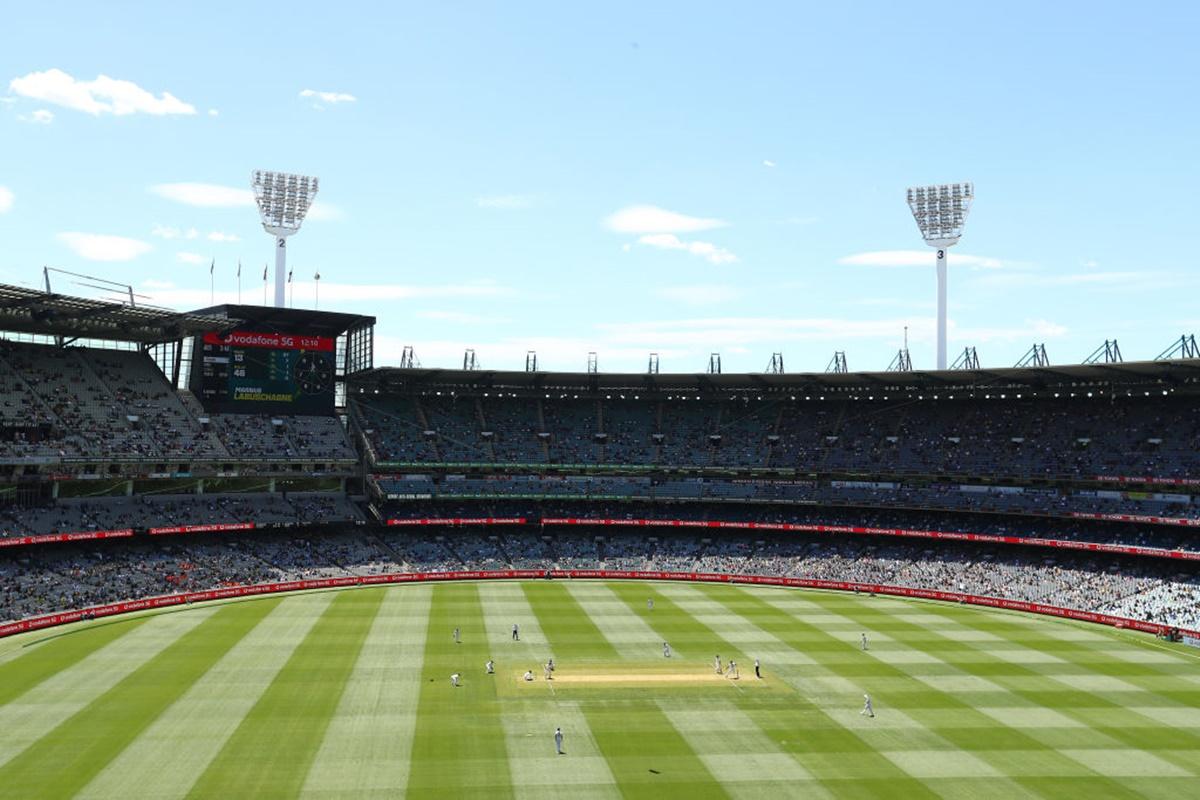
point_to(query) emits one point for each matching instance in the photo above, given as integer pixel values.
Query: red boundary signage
(804, 527)
(796, 527)
(166, 601)
(45, 538)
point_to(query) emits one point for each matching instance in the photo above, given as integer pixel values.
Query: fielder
(457, 637)
(717, 664)
(864, 643)
(454, 679)
(516, 633)
(528, 674)
(490, 667)
(733, 670)
(867, 710)
(558, 737)
(757, 672)
(666, 650)
(649, 603)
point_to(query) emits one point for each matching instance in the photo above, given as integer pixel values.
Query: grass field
(347, 694)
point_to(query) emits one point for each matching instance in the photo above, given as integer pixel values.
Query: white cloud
(41, 116)
(102, 247)
(104, 95)
(1123, 280)
(333, 98)
(768, 163)
(321, 211)
(218, 236)
(706, 250)
(6, 199)
(205, 195)
(507, 202)
(918, 258)
(168, 232)
(701, 294)
(213, 195)
(190, 258)
(652, 219)
(212, 112)
(460, 317)
(349, 292)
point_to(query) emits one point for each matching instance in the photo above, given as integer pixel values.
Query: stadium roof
(1173, 373)
(26, 310)
(269, 319)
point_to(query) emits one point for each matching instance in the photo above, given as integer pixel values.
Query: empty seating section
(102, 404)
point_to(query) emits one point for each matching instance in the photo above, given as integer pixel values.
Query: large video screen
(244, 372)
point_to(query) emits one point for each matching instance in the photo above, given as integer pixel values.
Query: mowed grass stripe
(458, 750)
(367, 744)
(1024, 755)
(628, 634)
(44, 707)
(66, 759)
(645, 753)
(164, 762)
(538, 773)
(269, 753)
(810, 735)
(44, 659)
(1100, 702)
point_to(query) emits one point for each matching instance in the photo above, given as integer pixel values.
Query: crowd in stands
(1167, 537)
(73, 576)
(77, 402)
(1013, 435)
(145, 511)
(942, 496)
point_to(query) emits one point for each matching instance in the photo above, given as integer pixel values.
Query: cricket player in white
(867, 710)
(454, 679)
(490, 667)
(666, 650)
(717, 664)
(757, 672)
(650, 603)
(546, 668)
(558, 741)
(516, 633)
(528, 674)
(864, 643)
(457, 637)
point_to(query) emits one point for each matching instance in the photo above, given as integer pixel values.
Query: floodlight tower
(940, 212)
(283, 201)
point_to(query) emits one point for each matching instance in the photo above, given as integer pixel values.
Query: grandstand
(154, 459)
(119, 424)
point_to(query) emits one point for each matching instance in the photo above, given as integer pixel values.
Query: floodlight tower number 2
(283, 201)
(941, 212)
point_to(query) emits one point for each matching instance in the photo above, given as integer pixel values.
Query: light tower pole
(940, 212)
(283, 201)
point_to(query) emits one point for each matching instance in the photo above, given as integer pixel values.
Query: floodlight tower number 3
(283, 201)
(940, 212)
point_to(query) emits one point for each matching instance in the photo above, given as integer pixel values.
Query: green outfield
(348, 694)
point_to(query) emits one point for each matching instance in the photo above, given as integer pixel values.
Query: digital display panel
(243, 372)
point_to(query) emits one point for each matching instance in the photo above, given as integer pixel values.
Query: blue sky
(683, 178)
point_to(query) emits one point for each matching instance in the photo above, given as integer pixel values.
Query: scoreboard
(244, 372)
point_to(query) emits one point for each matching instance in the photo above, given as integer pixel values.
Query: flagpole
(264, 284)
(212, 285)
(317, 290)
(239, 281)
